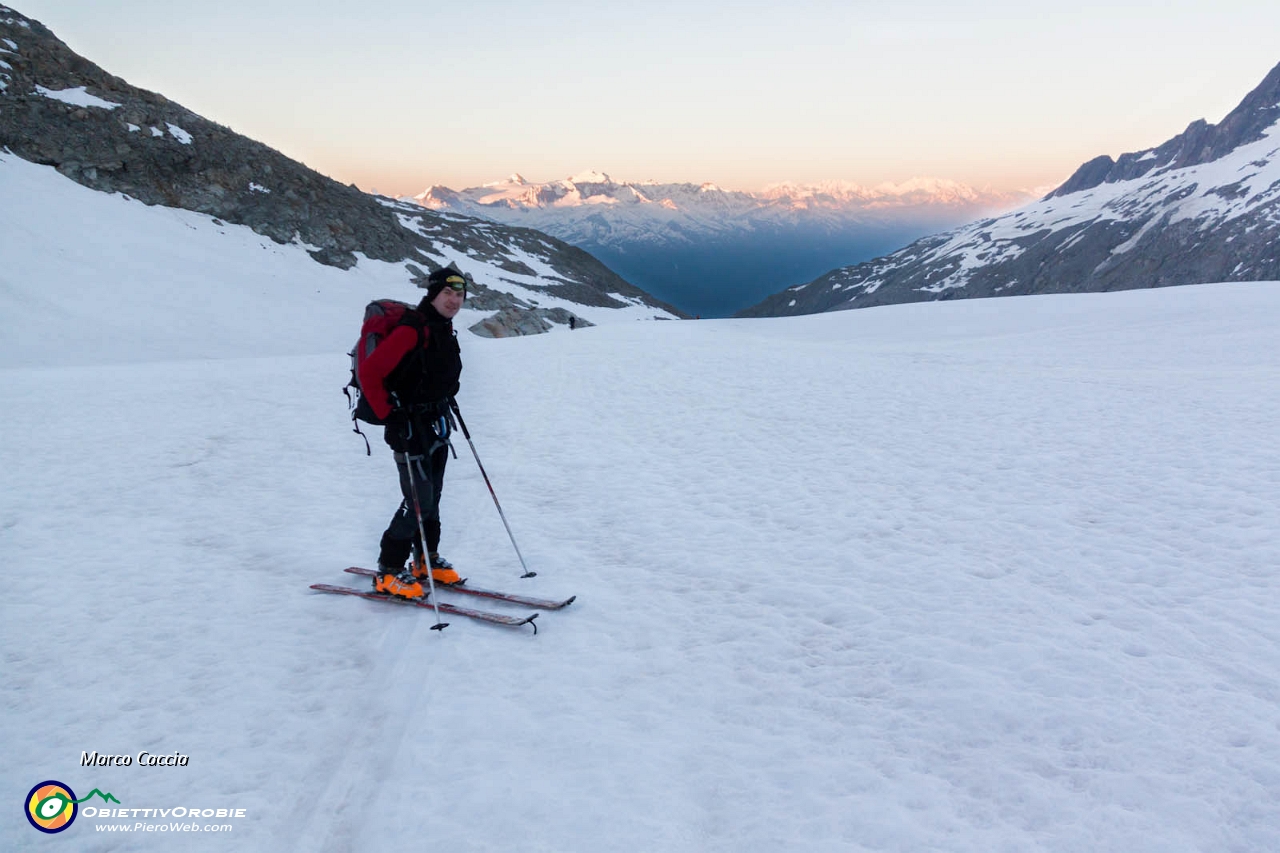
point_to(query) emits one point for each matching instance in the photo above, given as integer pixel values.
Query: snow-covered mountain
(593, 208)
(57, 109)
(703, 247)
(1203, 206)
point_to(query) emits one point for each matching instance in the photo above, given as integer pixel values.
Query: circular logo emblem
(51, 806)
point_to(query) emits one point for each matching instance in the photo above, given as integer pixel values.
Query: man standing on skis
(409, 381)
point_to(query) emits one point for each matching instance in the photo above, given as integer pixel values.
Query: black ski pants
(401, 536)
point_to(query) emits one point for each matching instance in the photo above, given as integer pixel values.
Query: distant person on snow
(409, 381)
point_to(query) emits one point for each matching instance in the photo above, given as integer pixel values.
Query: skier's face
(448, 302)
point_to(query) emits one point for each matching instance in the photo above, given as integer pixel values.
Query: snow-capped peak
(591, 177)
(591, 187)
(592, 209)
(514, 179)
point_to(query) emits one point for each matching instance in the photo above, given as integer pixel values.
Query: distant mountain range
(59, 109)
(591, 207)
(711, 250)
(1202, 207)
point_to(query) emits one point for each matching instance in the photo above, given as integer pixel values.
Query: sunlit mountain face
(710, 251)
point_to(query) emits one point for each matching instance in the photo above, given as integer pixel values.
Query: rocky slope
(1202, 207)
(59, 109)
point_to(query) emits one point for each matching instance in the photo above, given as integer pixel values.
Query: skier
(409, 380)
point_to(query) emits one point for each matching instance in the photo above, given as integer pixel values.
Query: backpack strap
(355, 427)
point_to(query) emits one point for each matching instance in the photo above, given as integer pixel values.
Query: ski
(453, 609)
(513, 598)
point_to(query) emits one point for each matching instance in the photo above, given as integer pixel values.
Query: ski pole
(453, 404)
(422, 533)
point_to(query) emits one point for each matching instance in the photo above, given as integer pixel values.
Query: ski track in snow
(971, 576)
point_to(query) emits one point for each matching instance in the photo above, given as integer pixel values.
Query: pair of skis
(454, 609)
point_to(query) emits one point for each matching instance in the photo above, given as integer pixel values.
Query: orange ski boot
(442, 571)
(401, 585)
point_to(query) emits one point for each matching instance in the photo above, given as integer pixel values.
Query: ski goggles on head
(456, 283)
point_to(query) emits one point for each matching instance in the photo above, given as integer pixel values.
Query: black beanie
(445, 275)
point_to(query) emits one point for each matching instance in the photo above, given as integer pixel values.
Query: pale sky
(397, 95)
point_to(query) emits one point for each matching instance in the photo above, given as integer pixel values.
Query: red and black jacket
(416, 367)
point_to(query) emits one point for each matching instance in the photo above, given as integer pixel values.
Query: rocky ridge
(1202, 207)
(61, 110)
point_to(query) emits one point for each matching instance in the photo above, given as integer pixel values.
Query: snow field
(896, 579)
(978, 576)
(1013, 558)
